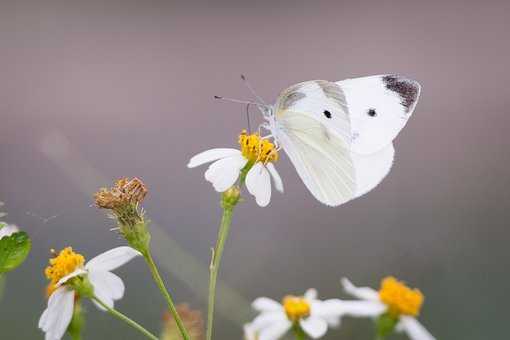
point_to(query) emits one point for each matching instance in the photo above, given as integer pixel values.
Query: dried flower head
(125, 191)
(123, 200)
(192, 320)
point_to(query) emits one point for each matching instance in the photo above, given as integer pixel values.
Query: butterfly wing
(379, 107)
(321, 159)
(325, 129)
(314, 130)
(371, 169)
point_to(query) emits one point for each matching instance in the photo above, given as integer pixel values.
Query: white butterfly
(339, 134)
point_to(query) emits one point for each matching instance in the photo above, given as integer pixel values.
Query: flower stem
(298, 332)
(161, 285)
(124, 318)
(226, 220)
(77, 322)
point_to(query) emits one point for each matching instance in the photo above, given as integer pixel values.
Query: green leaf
(14, 250)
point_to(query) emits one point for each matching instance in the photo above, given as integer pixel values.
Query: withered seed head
(125, 191)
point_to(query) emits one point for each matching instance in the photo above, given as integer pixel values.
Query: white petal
(311, 294)
(8, 230)
(77, 272)
(264, 304)
(56, 318)
(211, 155)
(314, 327)
(249, 332)
(414, 329)
(333, 321)
(104, 296)
(258, 183)
(225, 172)
(327, 308)
(277, 180)
(47, 314)
(265, 320)
(275, 331)
(362, 308)
(112, 259)
(363, 293)
(108, 283)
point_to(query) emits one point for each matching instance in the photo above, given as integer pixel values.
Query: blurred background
(95, 90)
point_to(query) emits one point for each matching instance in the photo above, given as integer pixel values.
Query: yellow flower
(70, 277)
(296, 307)
(63, 264)
(400, 299)
(394, 300)
(252, 165)
(256, 149)
(311, 315)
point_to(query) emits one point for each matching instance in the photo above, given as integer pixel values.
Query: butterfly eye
(327, 114)
(372, 113)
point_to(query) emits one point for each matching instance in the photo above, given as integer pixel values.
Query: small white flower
(394, 298)
(108, 287)
(8, 230)
(228, 163)
(312, 315)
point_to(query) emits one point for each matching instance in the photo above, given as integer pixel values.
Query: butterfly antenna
(248, 117)
(250, 88)
(238, 101)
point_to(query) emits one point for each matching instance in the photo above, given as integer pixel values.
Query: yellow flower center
(256, 149)
(400, 299)
(66, 262)
(296, 307)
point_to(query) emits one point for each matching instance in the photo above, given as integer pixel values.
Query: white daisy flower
(311, 315)
(393, 299)
(67, 265)
(256, 157)
(8, 230)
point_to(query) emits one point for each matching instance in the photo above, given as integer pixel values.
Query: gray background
(91, 91)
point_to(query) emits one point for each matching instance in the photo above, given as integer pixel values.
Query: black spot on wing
(407, 89)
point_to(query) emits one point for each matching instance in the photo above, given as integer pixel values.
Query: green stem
(77, 322)
(298, 332)
(166, 294)
(215, 262)
(124, 318)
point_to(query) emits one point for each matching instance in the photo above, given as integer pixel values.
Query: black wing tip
(408, 89)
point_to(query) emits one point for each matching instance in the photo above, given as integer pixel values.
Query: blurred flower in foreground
(253, 164)
(395, 306)
(123, 200)
(70, 278)
(300, 313)
(192, 320)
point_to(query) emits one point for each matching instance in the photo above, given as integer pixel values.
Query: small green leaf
(14, 250)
